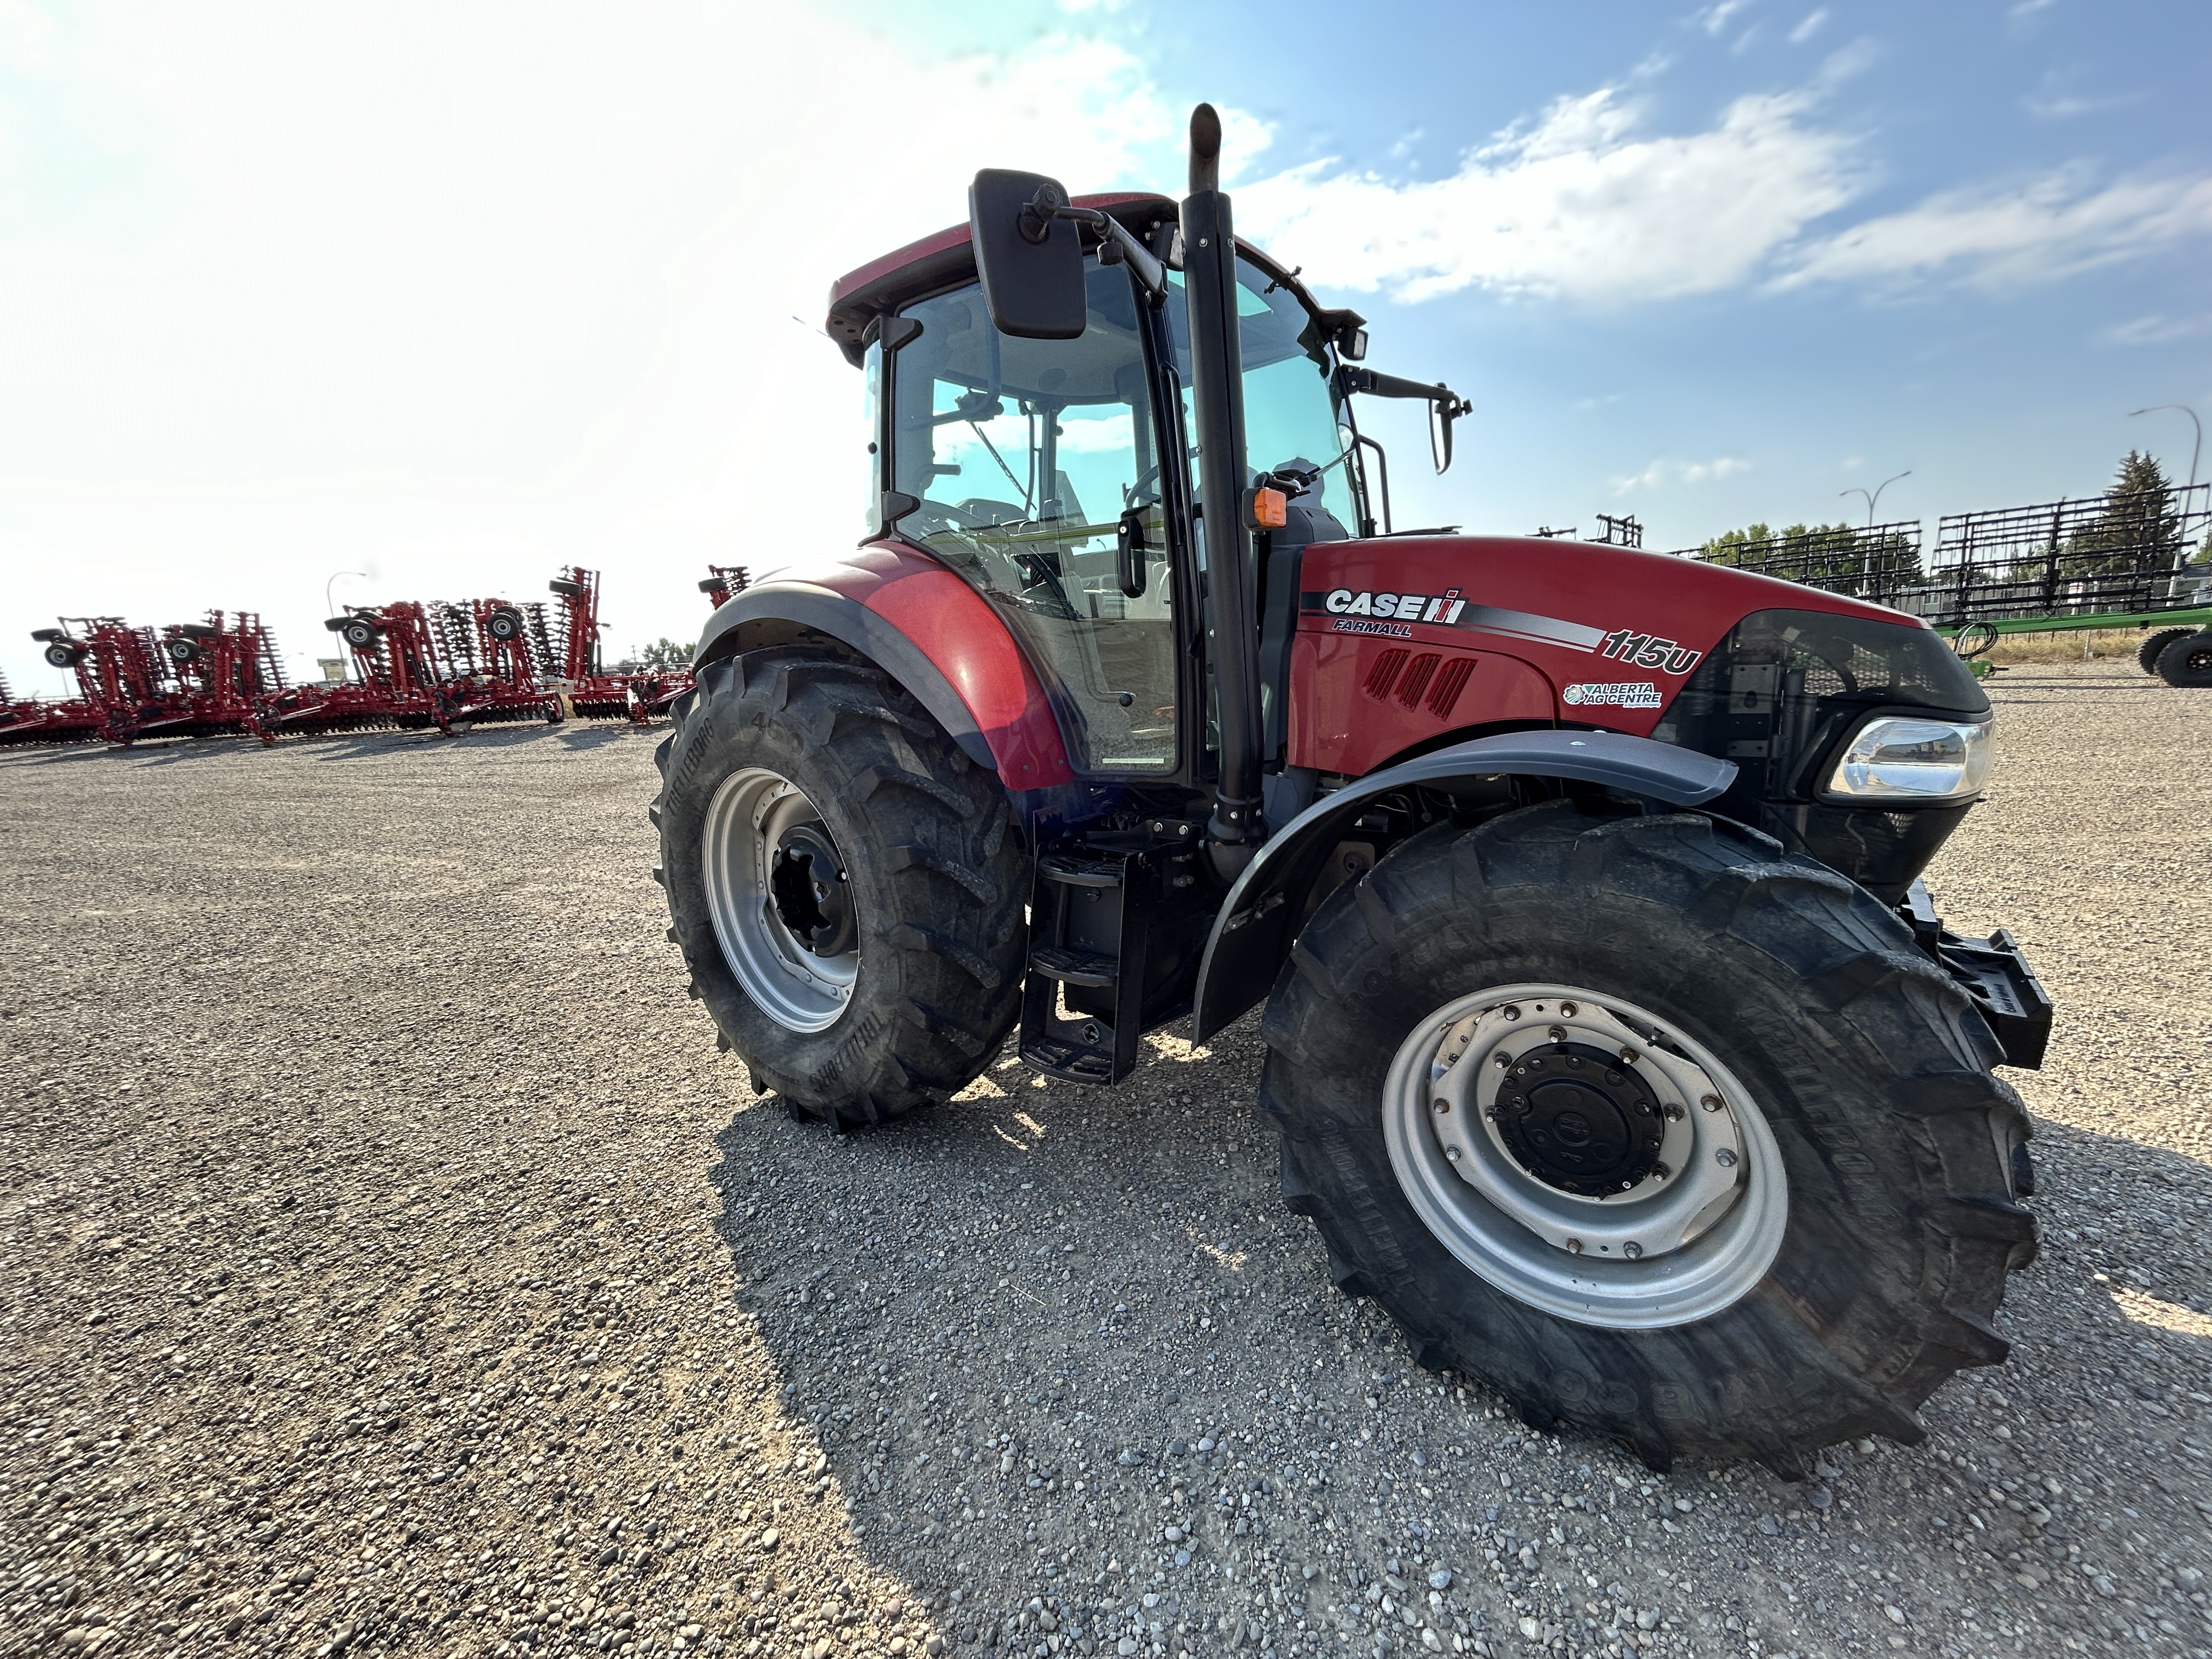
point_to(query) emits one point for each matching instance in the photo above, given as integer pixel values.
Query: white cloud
(1581, 204)
(2157, 329)
(1811, 27)
(1714, 19)
(2065, 106)
(469, 294)
(1661, 473)
(2051, 228)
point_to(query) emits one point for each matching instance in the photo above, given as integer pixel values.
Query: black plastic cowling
(1782, 695)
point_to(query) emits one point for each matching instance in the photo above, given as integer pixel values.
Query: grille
(1384, 674)
(1443, 696)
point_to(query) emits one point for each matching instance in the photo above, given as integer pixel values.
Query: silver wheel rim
(1683, 1243)
(799, 990)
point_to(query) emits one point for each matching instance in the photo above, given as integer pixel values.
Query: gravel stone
(395, 1267)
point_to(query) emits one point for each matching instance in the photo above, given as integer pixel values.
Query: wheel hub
(1584, 1156)
(1572, 1118)
(776, 890)
(807, 885)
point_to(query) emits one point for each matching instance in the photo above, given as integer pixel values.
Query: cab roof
(947, 260)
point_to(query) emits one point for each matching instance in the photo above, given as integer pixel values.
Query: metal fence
(1878, 562)
(2111, 555)
(2108, 554)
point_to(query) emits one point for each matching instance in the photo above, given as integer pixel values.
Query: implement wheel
(2154, 646)
(2187, 660)
(1664, 1134)
(844, 883)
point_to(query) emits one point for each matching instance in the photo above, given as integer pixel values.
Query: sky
(450, 296)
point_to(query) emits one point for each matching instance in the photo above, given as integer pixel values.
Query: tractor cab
(1061, 477)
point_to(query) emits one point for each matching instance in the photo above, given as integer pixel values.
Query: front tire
(1779, 1027)
(846, 885)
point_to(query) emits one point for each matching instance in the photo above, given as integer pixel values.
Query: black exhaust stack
(1209, 253)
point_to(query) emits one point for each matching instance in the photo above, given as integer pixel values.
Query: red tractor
(1613, 1042)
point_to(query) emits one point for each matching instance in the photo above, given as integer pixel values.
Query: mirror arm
(1351, 379)
(1149, 272)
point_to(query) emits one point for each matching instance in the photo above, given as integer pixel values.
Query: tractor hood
(1401, 641)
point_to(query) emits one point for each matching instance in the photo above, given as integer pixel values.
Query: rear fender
(1258, 920)
(928, 630)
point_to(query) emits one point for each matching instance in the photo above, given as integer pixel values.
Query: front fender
(1253, 931)
(928, 630)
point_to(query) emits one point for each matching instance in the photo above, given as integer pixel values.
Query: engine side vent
(1384, 674)
(1443, 696)
(1416, 679)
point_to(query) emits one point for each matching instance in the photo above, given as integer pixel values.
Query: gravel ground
(392, 1265)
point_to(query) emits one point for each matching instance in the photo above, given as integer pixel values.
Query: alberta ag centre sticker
(1640, 695)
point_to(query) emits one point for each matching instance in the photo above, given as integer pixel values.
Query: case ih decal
(1357, 611)
(1366, 612)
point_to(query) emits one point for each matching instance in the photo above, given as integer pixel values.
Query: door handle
(1129, 553)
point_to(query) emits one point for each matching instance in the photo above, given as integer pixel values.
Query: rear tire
(2154, 646)
(1857, 1072)
(931, 873)
(2188, 660)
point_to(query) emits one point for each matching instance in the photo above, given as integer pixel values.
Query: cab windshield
(1291, 418)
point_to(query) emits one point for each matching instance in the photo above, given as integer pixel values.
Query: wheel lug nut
(1674, 1113)
(1454, 1153)
(1660, 1172)
(1441, 1104)
(1557, 1034)
(1725, 1157)
(1567, 1009)
(1631, 1249)
(1503, 1061)
(1710, 1103)
(1629, 1056)
(1511, 1010)
(1574, 1247)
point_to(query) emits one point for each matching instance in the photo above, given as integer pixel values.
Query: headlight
(1898, 758)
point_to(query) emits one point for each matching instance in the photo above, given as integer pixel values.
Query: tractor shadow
(977, 1309)
(1036, 1285)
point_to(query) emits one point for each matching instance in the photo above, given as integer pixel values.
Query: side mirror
(1441, 416)
(1031, 263)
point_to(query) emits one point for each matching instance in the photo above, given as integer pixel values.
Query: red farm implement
(120, 674)
(725, 582)
(36, 719)
(575, 658)
(492, 650)
(414, 665)
(220, 673)
(393, 678)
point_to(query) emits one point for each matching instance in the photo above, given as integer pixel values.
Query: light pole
(330, 604)
(1874, 499)
(2195, 448)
